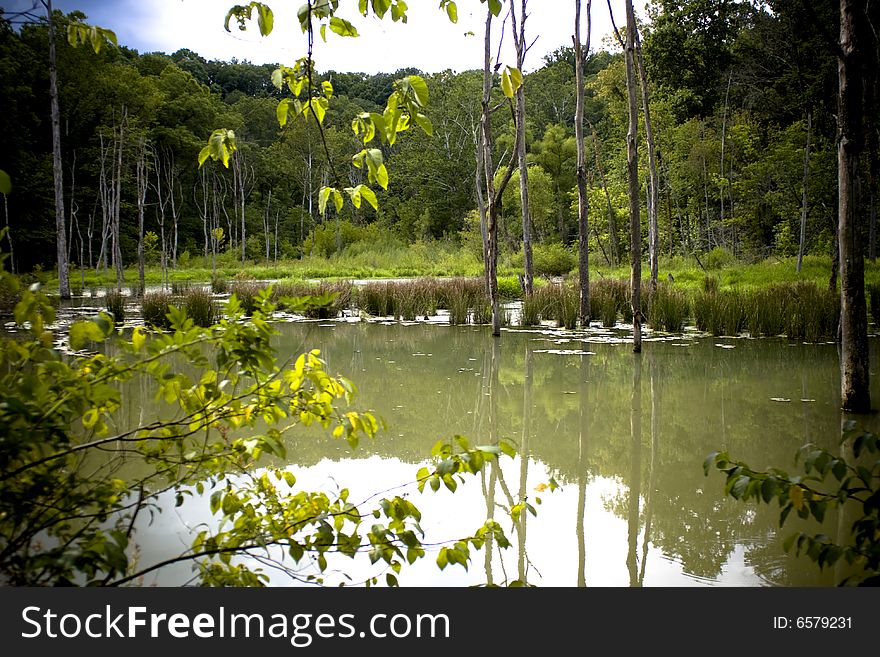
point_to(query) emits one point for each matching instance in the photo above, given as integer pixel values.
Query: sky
(429, 41)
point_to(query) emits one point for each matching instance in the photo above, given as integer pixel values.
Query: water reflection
(576, 408)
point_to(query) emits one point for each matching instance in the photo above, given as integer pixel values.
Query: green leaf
(327, 88)
(511, 80)
(323, 197)
(370, 196)
(5, 183)
(419, 89)
(84, 332)
(265, 18)
(342, 27)
(452, 12)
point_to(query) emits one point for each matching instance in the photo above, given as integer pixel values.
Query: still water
(624, 436)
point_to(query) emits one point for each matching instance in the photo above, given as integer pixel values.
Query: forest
(743, 104)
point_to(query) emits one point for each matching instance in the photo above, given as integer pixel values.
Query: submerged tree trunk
(519, 37)
(57, 172)
(583, 201)
(854, 376)
(632, 167)
(804, 207)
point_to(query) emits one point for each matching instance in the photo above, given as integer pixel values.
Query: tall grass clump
(560, 303)
(609, 298)
(531, 310)
(114, 301)
(720, 313)
(179, 288)
(813, 312)
(667, 308)
(219, 285)
(376, 299)
(199, 306)
(341, 292)
(767, 312)
(154, 309)
(246, 292)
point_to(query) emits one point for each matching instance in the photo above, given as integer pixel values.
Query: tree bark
(854, 376)
(632, 167)
(804, 207)
(57, 171)
(583, 200)
(519, 36)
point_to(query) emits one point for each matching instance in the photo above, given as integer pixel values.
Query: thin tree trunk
(632, 166)
(519, 37)
(583, 201)
(804, 207)
(723, 148)
(57, 171)
(117, 202)
(493, 192)
(654, 178)
(854, 376)
(142, 182)
(9, 235)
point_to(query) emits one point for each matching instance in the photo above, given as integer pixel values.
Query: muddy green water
(625, 436)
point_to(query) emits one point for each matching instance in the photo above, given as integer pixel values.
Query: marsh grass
(609, 298)
(154, 309)
(114, 301)
(219, 285)
(531, 310)
(246, 292)
(199, 306)
(342, 293)
(180, 288)
(667, 308)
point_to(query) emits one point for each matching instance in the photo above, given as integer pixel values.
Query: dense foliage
(737, 91)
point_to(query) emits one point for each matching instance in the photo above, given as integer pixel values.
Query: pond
(623, 436)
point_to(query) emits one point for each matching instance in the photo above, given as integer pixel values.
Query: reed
(605, 300)
(154, 309)
(334, 297)
(179, 288)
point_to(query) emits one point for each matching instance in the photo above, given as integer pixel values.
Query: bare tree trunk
(519, 38)
(482, 207)
(632, 166)
(493, 192)
(142, 182)
(266, 235)
(804, 207)
(9, 235)
(583, 201)
(161, 206)
(723, 148)
(654, 178)
(854, 376)
(57, 171)
(117, 202)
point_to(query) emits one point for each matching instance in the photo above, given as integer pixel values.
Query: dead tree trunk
(583, 201)
(653, 176)
(519, 38)
(854, 376)
(57, 171)
(804, 207)
(632, 167)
